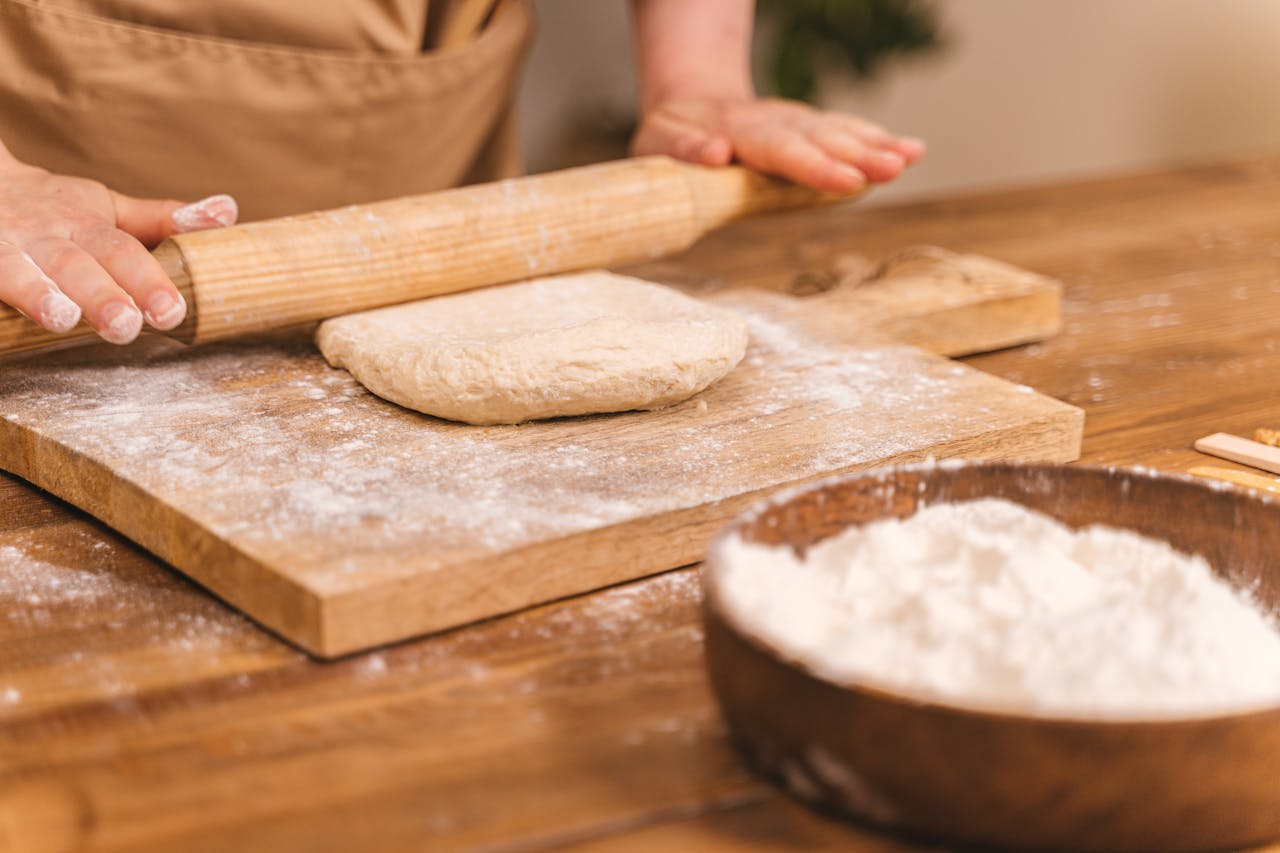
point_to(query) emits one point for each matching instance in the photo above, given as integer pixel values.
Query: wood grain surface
(138, 713)
(344, 522)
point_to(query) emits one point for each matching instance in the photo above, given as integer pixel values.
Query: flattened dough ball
(567, 345)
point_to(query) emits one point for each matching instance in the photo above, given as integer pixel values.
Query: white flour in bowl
(990, 605)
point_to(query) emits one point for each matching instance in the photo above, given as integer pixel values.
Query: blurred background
(1006, 92)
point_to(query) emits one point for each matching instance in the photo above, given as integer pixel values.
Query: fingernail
(57, 312)
(164, 311)
(216, 211)
(120, 323)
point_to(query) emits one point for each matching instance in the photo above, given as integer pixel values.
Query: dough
(567, 345)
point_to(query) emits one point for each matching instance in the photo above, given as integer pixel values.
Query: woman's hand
(828, 151)
(697, 103)
(70, 246)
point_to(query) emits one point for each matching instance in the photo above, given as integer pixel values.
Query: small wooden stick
(1241, 450)
(463, 22)
(1267, 436)
(1270, 485)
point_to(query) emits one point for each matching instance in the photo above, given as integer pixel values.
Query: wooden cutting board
(344, 522)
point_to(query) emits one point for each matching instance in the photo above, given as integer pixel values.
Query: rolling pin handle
(723, 194)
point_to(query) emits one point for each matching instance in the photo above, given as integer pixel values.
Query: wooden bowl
(1000, 780)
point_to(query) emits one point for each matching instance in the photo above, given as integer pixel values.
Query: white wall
(1027, 90)
(1032, 90)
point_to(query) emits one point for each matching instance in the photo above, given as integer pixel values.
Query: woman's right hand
(71, 247)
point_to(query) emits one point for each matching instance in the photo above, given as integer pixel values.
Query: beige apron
(330, 103)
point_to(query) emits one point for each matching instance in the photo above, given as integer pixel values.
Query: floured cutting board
(344, 522)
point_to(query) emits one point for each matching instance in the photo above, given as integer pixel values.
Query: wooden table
(138, 712)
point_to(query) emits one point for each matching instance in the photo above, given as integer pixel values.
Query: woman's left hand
(829, 151)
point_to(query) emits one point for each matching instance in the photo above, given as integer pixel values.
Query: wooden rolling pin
(283, 272)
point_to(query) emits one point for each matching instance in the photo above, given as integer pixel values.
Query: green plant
(863, 33)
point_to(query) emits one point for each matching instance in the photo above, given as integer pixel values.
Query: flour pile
(990, 605)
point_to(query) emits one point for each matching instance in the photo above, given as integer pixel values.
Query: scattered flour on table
(66, 581)
(988, 604)
(94, 583)
(35, 583)
(35, 591)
